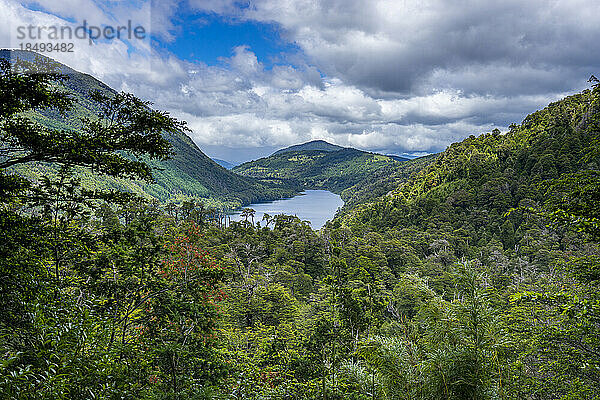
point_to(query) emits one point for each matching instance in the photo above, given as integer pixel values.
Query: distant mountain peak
(320, 145)
(321, 141)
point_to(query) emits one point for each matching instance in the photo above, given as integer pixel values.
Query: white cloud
(404, 76)
(406, 46)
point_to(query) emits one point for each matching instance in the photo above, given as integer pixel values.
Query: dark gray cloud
(484, 47)
(389, 75)
(433, 67)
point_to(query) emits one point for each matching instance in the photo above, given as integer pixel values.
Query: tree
(123, 131)
(79, 293)
(248, 213)
(268, 219)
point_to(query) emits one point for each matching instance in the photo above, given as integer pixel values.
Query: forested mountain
(477, 181)
(312, 145)
(334, 170)
(383, 181)
(189, 173)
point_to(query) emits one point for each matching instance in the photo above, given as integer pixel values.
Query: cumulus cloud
(483, 47)
(109, 60)
(382, 75)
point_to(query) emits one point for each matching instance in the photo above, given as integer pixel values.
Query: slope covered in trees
(383, 181)
(319, 169)
(474, 183)
(473, 274)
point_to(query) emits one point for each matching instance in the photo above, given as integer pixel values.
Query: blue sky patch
(208, 38)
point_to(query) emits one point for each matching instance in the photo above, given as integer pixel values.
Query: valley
(473, 273)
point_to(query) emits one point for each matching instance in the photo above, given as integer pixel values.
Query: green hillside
(383, 181)
(319, 169)
(471, 274)
(475, 182)
(189, 173)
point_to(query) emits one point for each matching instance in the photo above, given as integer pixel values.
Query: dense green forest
(382, 181)
(472, 274)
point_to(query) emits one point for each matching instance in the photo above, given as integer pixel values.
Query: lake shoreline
(314, 206)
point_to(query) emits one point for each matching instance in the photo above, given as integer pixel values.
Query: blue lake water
(315, 206)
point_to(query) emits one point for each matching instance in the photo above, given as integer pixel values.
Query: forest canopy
(474, 275)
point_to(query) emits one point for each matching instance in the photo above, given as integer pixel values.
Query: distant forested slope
(319, 169)
(383, 181)
(312, 145)
(189, 173)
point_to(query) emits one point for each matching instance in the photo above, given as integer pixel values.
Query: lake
(315, 206)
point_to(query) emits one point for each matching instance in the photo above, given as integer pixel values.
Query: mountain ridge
(334, 170)
(320, 145)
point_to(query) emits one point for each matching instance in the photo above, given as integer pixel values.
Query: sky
(393, 76)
